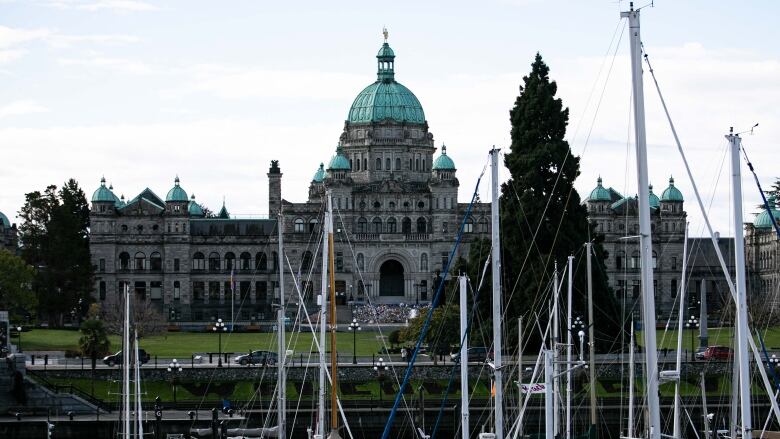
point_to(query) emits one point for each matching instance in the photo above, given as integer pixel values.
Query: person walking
(404, 355)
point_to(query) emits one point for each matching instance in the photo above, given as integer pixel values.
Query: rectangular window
(156, 290)
(339, 261)
(140, 290)
(635, 289)
(198, 290)
(102, 290)
(244, 288)
(673, 287)
(102, 265)
(261, 291)
(176, 290)
(619, 262)
(444, 260)
(213, 291)
(228, 290)
(176, 264)
(674, 262)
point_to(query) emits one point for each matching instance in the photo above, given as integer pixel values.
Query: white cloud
(100, 5)
(115, 64)
(11, 55)
(10, 37)
(21, 107)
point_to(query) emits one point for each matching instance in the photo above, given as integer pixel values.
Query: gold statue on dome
(385, 33)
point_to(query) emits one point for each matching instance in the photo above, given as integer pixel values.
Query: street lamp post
(380, 367)
(19, 335)
(692, 324)
(579, 325)
(354, 327)
(219, 328)
(774, 361)
(174, 368)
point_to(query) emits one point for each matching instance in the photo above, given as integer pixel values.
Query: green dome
(194, 208)
(443, 162)
(4, 221)
(671, 193)
(599, 193)
(763, 221)
(654, 201)
(176, 193)
(320, 174)
(339, 162)
(386, 98)
(103, 194)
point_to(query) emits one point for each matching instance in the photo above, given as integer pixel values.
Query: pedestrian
(403, 354)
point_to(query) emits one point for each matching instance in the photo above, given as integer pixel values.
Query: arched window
(620, 259)
(376, 225)
(422, 225)
(140, 261)
(365, 164)
(298, 226)
(387, 164)
(246, 261)
(155, 261)
(214, 261)
(360, 262)
(275, 261)
(424, 262)
(198, 261)
(313, 224)
(261, 261)
(469, 226)
(417, 164)
(362, 225)
(398, 164)
(482, 226)
(230, 261)
(406, 225)
(357, 164)
(306, 261)
(378, 164)
(391, 225)
(124, 261)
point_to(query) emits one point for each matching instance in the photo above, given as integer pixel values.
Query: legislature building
(396, 217)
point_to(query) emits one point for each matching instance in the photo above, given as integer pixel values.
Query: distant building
(396, 219)
(762, 249)
(8, 235)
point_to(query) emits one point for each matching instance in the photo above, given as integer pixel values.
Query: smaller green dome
(194, 208)
(763, 220)
(671, 193)
(599, 193)
(320, 174)
(385, 51)
(654, 201)
(176, 193)
(103, 194)
(223, 213)
(4, 221)
(443, 162)
(339, 161)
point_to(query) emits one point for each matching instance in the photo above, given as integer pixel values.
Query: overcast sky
(141, 91)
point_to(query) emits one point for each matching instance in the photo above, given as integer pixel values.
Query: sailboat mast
(464, 361)
(495, 273)
(568, 346)
(739, 251)
(282, 345)
(630, 430)
(126, 363)
(334, 416)
(591, 339)
(645, 232)
(137, 371)
(323, 325)
(554, 346)
(680, 319)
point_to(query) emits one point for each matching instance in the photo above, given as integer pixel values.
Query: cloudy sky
(140, 91)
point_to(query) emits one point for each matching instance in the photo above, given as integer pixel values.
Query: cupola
(194, 209)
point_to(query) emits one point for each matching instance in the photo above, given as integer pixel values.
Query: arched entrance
(391, 279)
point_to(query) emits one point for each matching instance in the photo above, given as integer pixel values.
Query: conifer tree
(543, 220)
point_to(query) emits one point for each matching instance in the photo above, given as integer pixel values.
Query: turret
(274, 188)
(443, 167)
(338, 166)
(671, 199)
(599, 199)
(103, 200)
(176, 202)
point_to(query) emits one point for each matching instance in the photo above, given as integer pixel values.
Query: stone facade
(761, 256)
(396, 216)
(8, 235)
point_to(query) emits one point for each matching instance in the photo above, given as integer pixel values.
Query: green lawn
(183, 344)
(717, 336)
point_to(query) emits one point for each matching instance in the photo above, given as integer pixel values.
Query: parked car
(257, 357)
(111, 360)
(699, 353)
(474, 354)
(718, 353)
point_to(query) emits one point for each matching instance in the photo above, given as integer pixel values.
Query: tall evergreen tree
(542, 218)
(55, 240)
